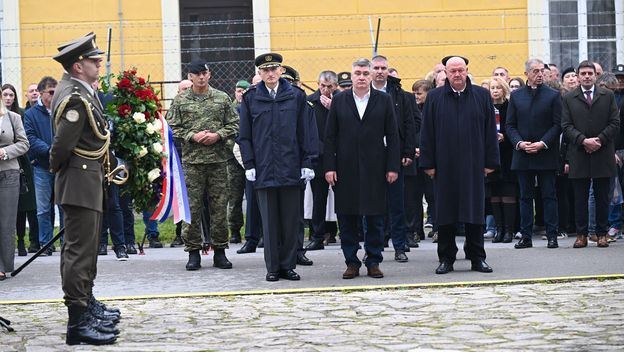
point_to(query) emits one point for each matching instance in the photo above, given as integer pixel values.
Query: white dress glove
(307, 174)
(250, 174)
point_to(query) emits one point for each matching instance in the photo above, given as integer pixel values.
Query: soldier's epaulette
(252, 87)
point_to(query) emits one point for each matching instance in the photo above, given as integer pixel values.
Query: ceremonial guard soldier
(80, 158)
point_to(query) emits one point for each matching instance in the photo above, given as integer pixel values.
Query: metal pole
(377, 38)
(108, 55)
(121, 42)
(372, 33)
(43, 249)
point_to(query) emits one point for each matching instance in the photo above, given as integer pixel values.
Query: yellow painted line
(559, 279)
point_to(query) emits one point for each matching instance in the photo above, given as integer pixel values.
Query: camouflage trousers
(209, 179)
(236, 189)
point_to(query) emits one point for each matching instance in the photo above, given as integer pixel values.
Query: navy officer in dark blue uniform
(279, 146)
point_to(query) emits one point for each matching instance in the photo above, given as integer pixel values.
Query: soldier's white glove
(307, 174)
(250, 174)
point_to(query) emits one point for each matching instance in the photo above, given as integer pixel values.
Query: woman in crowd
(27, 206)
(515, 83)
(569, 80)
(501, 186)
(13, 143)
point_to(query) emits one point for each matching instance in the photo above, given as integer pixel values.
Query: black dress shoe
(236, 237)
(102, 250)
(553, 243)
(444, 267)
(303, 260)
(289, 275)
(33, 248)
(524, 243)
(407, 248)
(272, 276)
(248, 247)
(194, 262)
(412, 242)
(400, 257)
(315, 245)
(131, 249)
(178, 242)
(261, 243)
(481, 266)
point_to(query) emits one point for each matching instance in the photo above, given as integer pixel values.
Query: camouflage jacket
(191, 113)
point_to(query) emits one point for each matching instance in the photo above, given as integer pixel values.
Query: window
(584, 29)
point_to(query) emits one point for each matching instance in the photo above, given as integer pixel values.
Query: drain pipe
(121, 41)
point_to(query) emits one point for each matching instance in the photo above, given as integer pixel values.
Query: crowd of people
(497, 160)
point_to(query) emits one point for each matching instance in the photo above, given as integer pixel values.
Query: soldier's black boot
(81, 329)
(93, 300)
(411, 241)
(220, 260)
(500, 233)
(194, 262)
(98, 312)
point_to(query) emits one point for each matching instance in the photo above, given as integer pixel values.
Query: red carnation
(147, 114)
(124, 84)
(124, 110)
(141, 81)
(133, 72)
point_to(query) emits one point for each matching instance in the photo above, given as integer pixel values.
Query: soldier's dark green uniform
(236, 189)
(80, 158)
(205, 166)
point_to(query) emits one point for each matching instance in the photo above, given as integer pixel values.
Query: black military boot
(411, 241)
(177, 241)
(81, 329)
(194, 262)
(100, 313)
(93, 300)
(220, 260)
(500, 233)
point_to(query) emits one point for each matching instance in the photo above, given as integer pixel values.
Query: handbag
(23, 181)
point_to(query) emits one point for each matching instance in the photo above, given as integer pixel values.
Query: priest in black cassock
(458, 147)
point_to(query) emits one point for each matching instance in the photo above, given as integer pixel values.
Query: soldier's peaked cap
(290, 73)
(618, 70)
(197, 66)
(268, 60)
(344, 79)
(78, 49)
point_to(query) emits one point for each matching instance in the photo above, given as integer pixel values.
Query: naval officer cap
(344, 79)
(618, 70)
(446, 58)
(268, 60)
(78, 49)
(198, 66)
(290, 73)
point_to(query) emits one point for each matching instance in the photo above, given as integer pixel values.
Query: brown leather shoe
(581, 241)
(351, 272)
(374, 272)
(602, 241)
(593, 238)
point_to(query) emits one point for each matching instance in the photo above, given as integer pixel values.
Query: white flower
(157, 147)
(139, 117)
(153, 174)
(142, 152)
(157, 125)
(149, 128)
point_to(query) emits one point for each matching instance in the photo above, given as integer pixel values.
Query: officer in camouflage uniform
(204, 118)
(236, 176)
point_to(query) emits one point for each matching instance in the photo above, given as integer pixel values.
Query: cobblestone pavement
(569, 316)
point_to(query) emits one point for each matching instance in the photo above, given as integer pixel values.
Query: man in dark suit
(321, 100)
(361, 157)
(590, 122)
(533, 126)
(404, 105)
(80, 158)
(458, 148)
(279, 146)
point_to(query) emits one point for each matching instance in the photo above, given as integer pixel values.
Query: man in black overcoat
(458, 147)
(590, 122)
(534, 127)
(361, 157)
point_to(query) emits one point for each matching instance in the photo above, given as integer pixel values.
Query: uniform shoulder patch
(72, 115)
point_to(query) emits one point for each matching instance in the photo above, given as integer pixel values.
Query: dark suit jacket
(534, 115)
(580, 120)
(355, 149)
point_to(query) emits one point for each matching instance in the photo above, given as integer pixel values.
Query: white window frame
(539, 30)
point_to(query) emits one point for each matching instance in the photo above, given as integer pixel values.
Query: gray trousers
(279, 209)
(9, 196)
